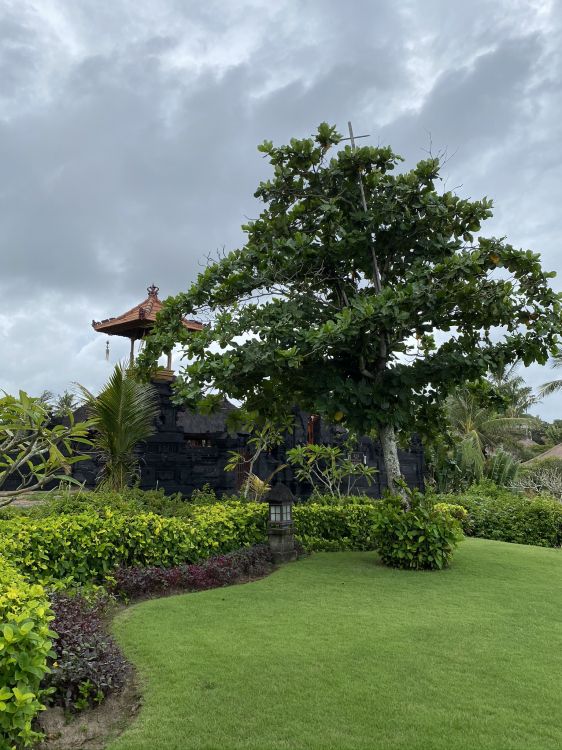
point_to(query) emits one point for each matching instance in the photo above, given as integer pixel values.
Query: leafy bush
(25, 647)
(220, 570)
(422, 538)
(88, 663)
(335, 527)
(509, 517)
(458, 512)
(88, 546)
(204, 496)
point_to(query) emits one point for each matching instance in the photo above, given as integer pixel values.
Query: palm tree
(479, 430)
(64, 403)
(123, 415)
(546, 389)
(519, 396)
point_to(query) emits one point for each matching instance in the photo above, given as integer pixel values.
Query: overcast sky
(128, 133)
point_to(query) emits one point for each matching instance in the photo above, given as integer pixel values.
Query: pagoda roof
(139, 319)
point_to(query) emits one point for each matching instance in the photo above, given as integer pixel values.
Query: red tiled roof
(139, 318)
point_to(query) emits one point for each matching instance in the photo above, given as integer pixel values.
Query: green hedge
(86, 546)
(335, 527)
(25, 646)
(509, 517)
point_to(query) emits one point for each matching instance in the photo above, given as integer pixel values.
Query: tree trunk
(391, 463)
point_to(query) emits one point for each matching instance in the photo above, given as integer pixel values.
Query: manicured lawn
(338, 652)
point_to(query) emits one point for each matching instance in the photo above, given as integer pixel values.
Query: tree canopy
(367, 317)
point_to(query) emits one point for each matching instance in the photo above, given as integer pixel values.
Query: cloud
(128, 138)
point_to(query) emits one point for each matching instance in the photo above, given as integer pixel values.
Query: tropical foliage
(123, 415)
(25, 647)
(330, 469)
(478, 430)
(33, 450)
(88, 546)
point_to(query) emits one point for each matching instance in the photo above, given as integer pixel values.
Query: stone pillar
(282, 543)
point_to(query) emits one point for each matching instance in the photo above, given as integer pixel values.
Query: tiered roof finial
(137, 322)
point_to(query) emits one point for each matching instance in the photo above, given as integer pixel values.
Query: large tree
(360, 294)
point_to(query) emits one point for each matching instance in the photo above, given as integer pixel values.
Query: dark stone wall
(188, 451)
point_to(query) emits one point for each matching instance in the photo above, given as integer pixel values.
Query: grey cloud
(128, 136)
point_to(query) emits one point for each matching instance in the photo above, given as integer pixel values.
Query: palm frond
(123, 414)
(553, 386)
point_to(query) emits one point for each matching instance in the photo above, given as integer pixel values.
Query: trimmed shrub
(88, 663)
(88, 546)
(220, 570)
(25, 647)
(335, 527)
(422, 538)
(509, 517)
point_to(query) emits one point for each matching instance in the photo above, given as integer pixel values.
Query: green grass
(338, 652)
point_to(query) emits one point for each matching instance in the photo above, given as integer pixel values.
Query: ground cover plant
(219, 570)
(337, 651)
(88, 665)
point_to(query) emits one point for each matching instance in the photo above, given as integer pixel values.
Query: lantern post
(280, 529)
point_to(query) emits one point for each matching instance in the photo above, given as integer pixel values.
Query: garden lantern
(280, 523)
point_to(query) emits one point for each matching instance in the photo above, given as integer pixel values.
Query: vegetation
(541, 477)
(123, 415)
(219, 570)
(25, 647)
(499, 514)
(553, 385)
(488, 432)
(33, 450)
(61, 405)
(79, 541)
(337, 651)
(329, 469)
(421, 538)
(88, 546)
(88, 663)
(264, 437)
(323, 304)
